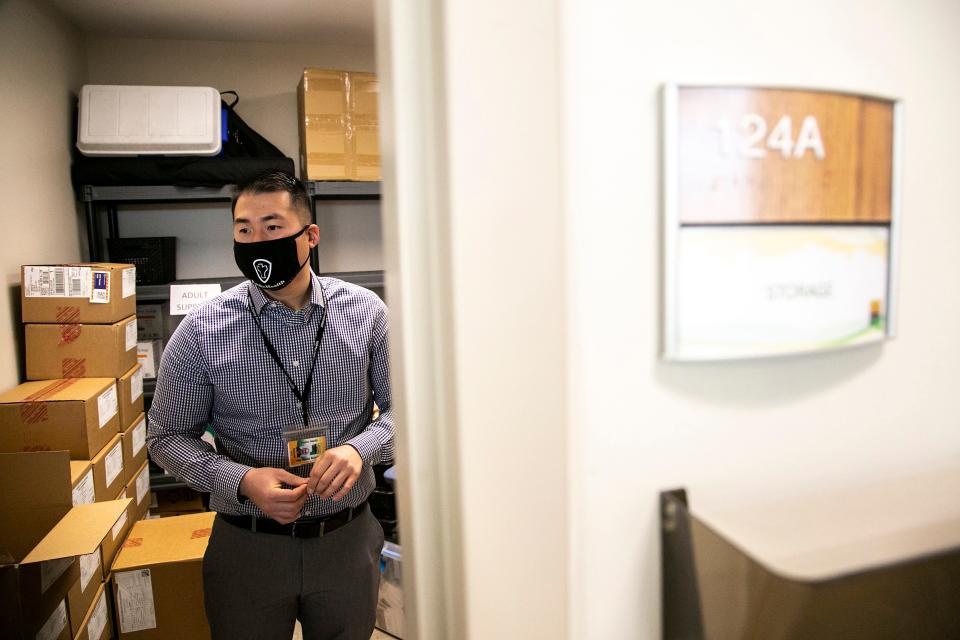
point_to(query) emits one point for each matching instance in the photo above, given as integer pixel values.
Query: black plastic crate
(155, 258)
(383, 504)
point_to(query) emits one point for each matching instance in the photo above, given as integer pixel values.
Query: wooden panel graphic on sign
(781, 155)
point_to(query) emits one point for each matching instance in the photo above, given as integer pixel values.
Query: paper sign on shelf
(186, 297)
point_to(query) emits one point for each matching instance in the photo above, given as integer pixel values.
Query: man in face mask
(286, 367)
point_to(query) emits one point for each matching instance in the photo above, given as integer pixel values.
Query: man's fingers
(285, 519)
(285, 512)
(286, 477)
(288, 495)
(337, 482)
(346, 488)
(327, 482)
(332, 472)
(319, 468)
(321, 465)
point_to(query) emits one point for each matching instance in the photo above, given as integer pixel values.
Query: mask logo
(263, 267)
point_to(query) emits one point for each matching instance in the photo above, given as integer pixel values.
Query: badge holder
(305, 445)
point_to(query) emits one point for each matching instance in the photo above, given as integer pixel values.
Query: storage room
(500, 320)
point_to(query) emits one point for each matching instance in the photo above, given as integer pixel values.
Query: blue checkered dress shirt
(216, 370)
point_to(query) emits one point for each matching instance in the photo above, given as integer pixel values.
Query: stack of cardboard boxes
(339, 125)
(74, 475)
(158, 579)
(50, 548)
(84, 401)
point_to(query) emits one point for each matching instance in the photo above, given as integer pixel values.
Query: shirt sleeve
(179, 415)
(375, 443)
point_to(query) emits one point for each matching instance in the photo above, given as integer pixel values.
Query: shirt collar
(260, 299)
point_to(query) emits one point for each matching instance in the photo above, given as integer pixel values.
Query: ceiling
(342, 22)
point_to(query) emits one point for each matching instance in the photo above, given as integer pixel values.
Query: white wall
(266, 76)
(507, 253)
(41, 70)
(732, 433)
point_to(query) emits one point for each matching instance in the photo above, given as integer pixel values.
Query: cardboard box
(32, 594)
(138, 489)
(97, 624)
(41, 535)
(130, 395)
(339, 125)
(118, 534)
(81, 482)
(95, 293)
(79, 414)
(84, 590)
(81, 350)
(161, 566)
(108, 474)
(148, 355)
(179, 500)
(56, 626)
(134, 447)
(151, 321)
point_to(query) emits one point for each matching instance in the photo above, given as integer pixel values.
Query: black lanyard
(303, 397)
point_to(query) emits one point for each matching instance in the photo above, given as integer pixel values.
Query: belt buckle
(293, 528)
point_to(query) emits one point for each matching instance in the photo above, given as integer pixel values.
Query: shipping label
(57, 282)
(83, 492)
(98, 621)
(143, 484)
(114, 463)
(55, 624)
(121, 523)
(136, 385)
(107, 406)
(139, 436)
(100, 293)
(89, 565)
(129, 279)
(135, 607)
(51, 570)
(131, 336)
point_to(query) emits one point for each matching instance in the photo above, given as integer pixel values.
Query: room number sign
(780, 211)
(749, 139)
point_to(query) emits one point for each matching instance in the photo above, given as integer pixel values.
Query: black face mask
(270, 264)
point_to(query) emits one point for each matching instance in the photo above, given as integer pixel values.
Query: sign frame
(671, 219)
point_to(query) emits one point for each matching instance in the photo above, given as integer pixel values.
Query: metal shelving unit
(98, 199)
(161, 292)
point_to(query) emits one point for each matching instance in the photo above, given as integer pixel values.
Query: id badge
(305, 445)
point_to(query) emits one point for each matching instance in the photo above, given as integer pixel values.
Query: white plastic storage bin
(390, 613)
(141, 120)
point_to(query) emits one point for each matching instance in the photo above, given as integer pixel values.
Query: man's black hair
(275, 182)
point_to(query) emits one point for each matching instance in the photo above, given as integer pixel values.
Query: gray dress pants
(256, 585)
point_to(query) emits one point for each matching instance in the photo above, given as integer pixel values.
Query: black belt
(305, 528)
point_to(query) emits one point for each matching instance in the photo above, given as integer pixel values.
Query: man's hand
(335, 473)
(264, 487)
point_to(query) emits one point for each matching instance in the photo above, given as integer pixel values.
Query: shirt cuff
(226, 480)
(368, 446)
